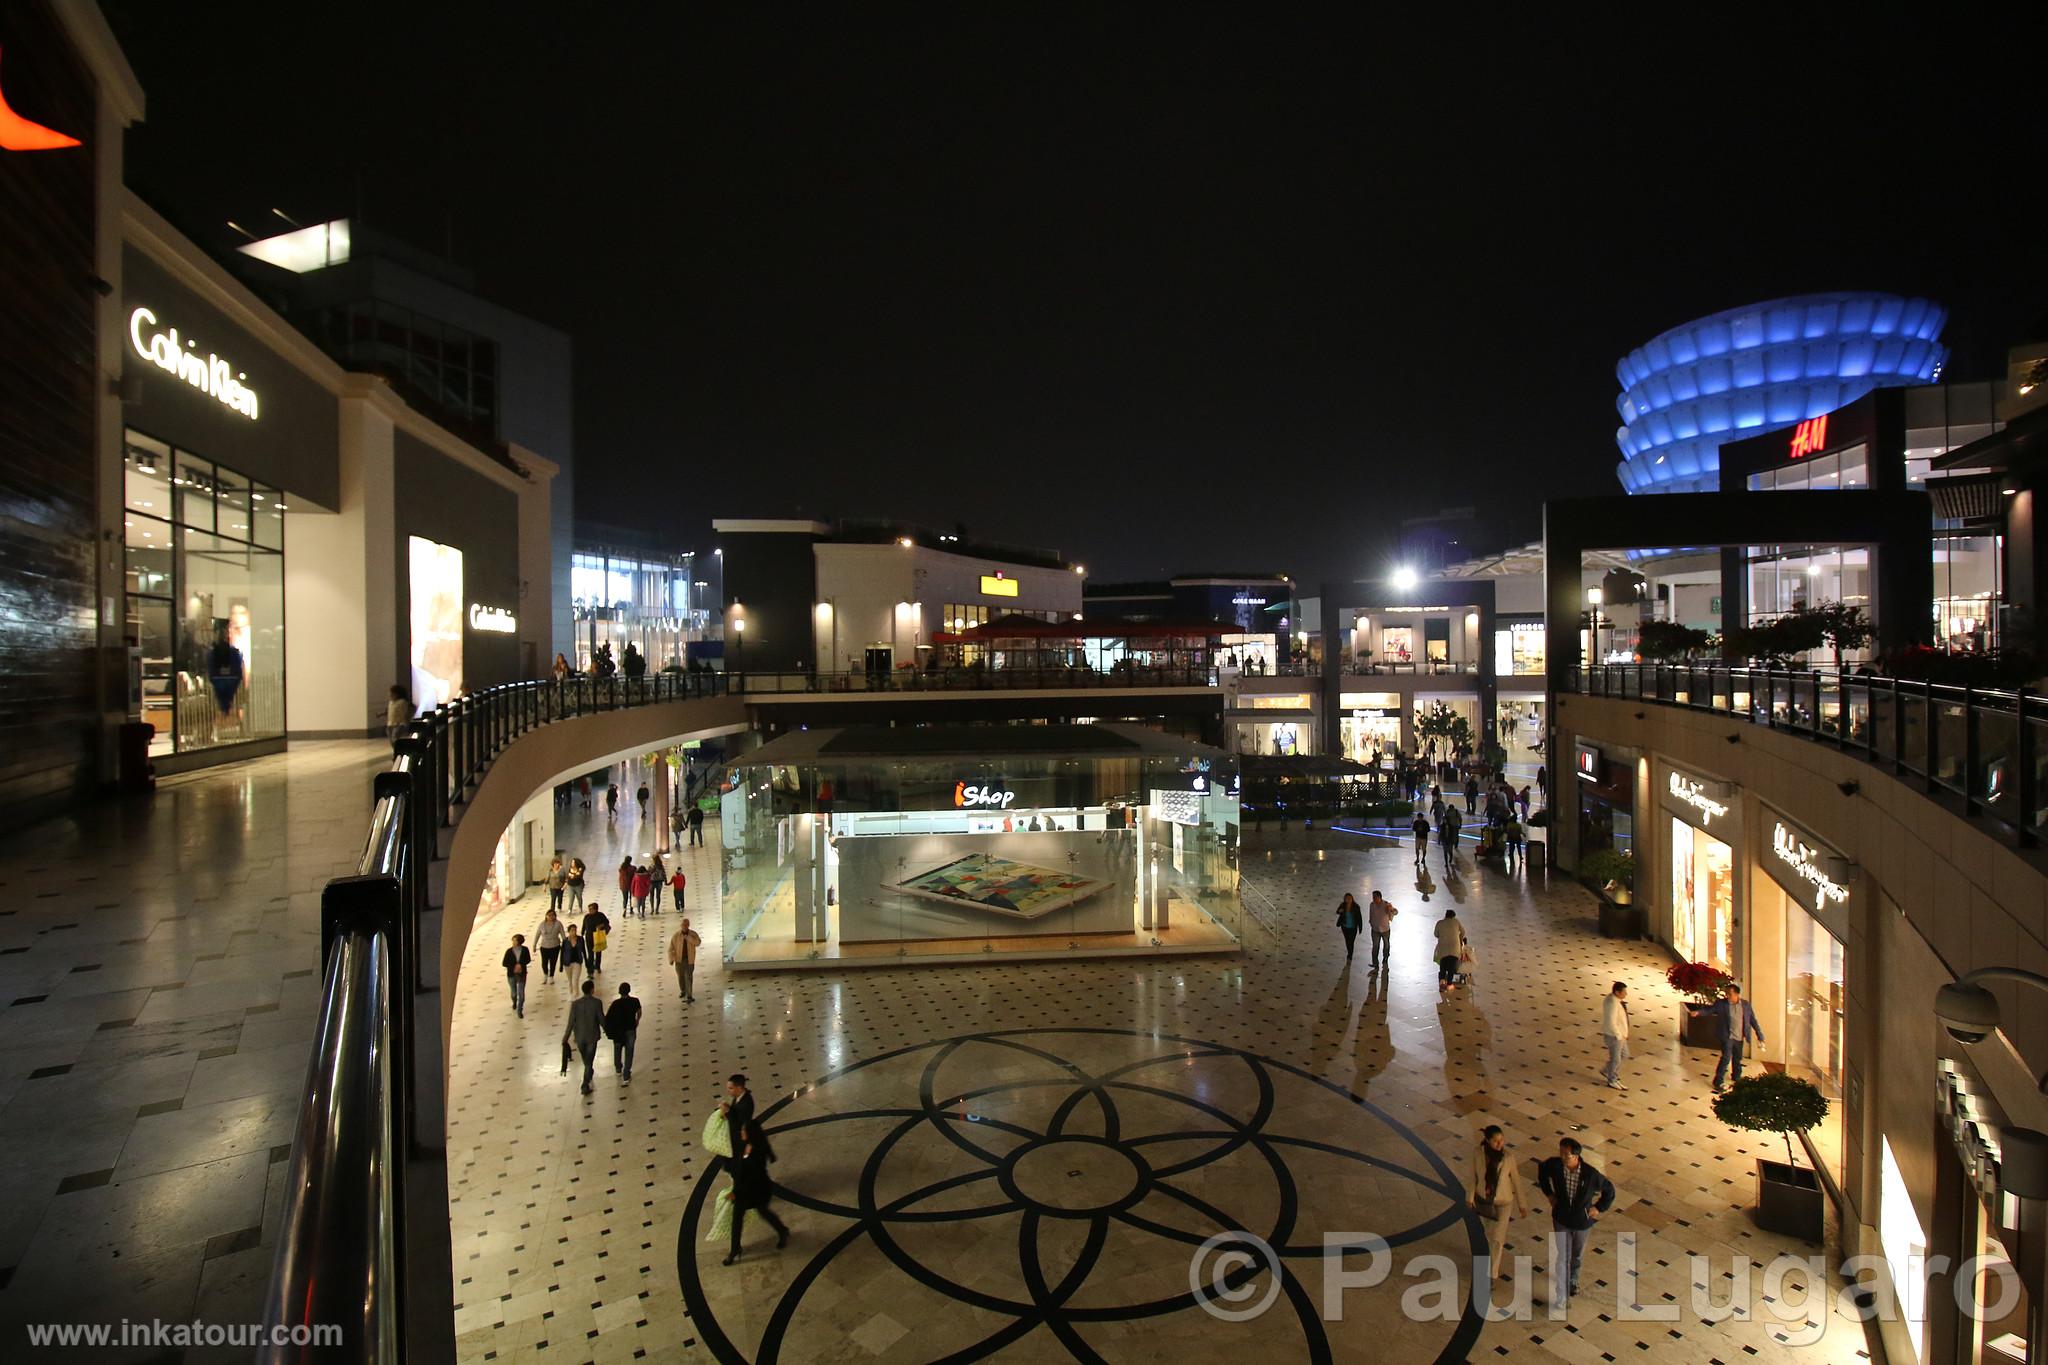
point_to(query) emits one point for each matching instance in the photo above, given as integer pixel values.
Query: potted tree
(1700, 983)
(1610, 874)
(1788, 1195)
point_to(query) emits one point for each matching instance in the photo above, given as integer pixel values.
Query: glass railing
(1985, 748)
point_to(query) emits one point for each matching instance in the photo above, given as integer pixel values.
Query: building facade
(1762, 367)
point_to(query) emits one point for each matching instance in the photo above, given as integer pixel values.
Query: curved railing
(1987, 748)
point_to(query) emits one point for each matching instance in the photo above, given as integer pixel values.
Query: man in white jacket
(1614, 1028)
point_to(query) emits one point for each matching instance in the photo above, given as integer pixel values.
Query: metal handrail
(342, 1252)
(1983, 746)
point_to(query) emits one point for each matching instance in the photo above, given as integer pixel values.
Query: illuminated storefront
(1703, 819)
(874, 844)
(658, 605)
(1370, 724)
(1799, 913)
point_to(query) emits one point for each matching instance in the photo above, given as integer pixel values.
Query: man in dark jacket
(584, 1028)
(1734, 1024)
(1578, 1195)
(622, 1026)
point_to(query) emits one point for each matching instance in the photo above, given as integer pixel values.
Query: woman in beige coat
(1496, 1192)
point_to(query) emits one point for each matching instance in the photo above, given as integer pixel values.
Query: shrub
(1608, 865)
(1773, 1102)
(1699, 982)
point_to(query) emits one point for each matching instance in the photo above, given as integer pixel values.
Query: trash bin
(138, 774)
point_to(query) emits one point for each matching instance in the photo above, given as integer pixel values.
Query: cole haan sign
(1700, 797)
(494, 619)
(209, 373)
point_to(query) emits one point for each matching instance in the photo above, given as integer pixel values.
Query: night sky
(1166, 289)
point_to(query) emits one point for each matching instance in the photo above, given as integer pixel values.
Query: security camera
(1969, 1013)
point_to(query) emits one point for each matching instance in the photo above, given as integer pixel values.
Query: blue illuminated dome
(1754, 369)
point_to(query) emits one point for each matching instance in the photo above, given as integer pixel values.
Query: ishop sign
(180, 358)
(967, 797)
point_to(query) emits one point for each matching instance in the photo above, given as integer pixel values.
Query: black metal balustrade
(348, 1228)
(1987, 748)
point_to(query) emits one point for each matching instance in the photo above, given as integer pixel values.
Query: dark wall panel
(773, 576)
(294, 441)
(49, 707)
(442, 501)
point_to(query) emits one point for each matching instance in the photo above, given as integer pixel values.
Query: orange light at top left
(18, 134)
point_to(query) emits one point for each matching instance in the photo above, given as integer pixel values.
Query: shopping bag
(717, 1138)
(721, 1216)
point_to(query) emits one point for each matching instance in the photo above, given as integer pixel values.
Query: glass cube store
(953, 842)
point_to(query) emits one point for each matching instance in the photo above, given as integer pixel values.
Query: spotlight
(1404, 579)
(1735, 739)
(1850, 787)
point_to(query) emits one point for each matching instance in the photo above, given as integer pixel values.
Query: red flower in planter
(1697, 981)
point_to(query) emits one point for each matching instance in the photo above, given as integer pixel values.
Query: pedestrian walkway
(159, 980)
(1101, 1092)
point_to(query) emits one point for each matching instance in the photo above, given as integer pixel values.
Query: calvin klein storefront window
(205, 597)
(876, 844)
(1702, 811)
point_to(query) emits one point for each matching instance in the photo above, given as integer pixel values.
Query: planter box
(1789, 1200)
(1620, 921)
(1698, 1030)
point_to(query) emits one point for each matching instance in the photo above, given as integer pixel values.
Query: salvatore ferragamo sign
(1701, 797)
(1814, 876)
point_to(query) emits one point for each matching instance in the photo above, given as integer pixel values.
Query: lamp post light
(739, 639)
(1593, 596)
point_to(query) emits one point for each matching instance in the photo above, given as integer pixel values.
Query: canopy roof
(1092, 628)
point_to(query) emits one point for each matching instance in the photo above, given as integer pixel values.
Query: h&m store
(294, 539)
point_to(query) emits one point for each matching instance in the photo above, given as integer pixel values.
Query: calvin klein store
(949, 843)
(295, 539)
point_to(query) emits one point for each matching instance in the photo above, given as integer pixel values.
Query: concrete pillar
(659, 781)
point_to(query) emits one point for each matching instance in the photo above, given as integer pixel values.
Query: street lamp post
(1593, 596)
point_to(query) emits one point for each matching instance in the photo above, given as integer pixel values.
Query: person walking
(1578, 1195)
(679, 823)
(642, 886)
(738, 1108)
(1522, 800)
(1451, 948)
(678, 884)
(1517, 841)
(516, 961)
(1471, 793)
(1447, 835)
(682, 955)
(584, 1028)
(1735, 1024)
(548, 938)
(1614, 1028)
(641, 797)
(558, 883)
(1380, 915)
(657, 878)
(597, 927)
(1497, 1194)
(696, 826)
(574, 884)
(611, 802)
(626, 883)
(398, 713)
(622, 1026)
(752, 1187)
(583, 790)
(1349, 922)
(1421, 839)
(575, 957)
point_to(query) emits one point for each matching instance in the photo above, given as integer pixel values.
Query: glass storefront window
(1702, 896)
(205, 598)
(1815, 1008)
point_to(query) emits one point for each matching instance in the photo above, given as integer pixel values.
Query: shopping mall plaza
(1012, 892)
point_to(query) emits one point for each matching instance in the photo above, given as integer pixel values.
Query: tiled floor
(1019, 1159)
(159, 973)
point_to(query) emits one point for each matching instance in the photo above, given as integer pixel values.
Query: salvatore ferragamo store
(294, 539)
